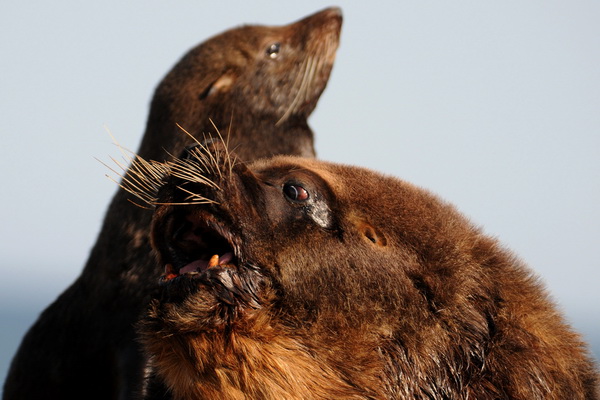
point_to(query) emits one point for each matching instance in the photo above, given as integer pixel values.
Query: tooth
(214, 261)
(170, 272)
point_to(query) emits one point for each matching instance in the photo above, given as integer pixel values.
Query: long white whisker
(307, 65)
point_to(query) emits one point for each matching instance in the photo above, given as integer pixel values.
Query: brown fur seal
(258, 85)
(292, 278)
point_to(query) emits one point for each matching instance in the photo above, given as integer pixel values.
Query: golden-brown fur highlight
(258, 359)
(371, 288)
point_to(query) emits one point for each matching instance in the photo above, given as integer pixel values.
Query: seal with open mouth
(293, 278)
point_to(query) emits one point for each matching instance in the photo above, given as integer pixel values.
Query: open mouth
(196, 246)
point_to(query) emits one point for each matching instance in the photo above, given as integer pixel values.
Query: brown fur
(369, 289)
(83, 345)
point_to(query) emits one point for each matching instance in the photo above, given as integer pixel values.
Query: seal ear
(370, 232)
(374, 235)
(221, 84)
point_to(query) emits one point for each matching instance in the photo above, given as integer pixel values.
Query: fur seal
(258, 85)
(292, 278)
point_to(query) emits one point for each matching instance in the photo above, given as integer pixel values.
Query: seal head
(257, 84)
(302, 279)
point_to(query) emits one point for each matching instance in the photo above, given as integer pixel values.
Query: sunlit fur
(400, 298)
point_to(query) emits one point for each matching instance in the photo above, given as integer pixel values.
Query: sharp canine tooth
(214, 261)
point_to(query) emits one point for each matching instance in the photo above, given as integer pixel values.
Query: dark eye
(295, 192)
(273, 50)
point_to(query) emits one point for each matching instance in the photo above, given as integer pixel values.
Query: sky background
(494, 106)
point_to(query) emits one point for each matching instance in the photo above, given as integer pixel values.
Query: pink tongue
(198, 265)
(201, 265)
(225, 258)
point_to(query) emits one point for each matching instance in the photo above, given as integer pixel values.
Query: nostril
(188, 152)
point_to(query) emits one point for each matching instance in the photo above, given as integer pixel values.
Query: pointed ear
(369, 231)
(221, 84)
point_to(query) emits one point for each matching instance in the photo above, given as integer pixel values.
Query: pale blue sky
(495, 106)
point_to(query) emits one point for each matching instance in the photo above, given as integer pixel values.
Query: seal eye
(295, 192)
(273, 50)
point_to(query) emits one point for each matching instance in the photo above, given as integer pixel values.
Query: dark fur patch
(228, 82)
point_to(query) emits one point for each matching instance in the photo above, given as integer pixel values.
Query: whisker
(306, 66)
(188, 171)
(200, 199)
(231, 164)
(196, 152)
(189, 134)
(143, 178)
(227, 159)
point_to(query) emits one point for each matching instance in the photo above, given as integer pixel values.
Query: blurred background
(495, 106)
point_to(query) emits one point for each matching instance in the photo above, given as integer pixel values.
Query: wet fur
(400, 297)
(83, 345)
